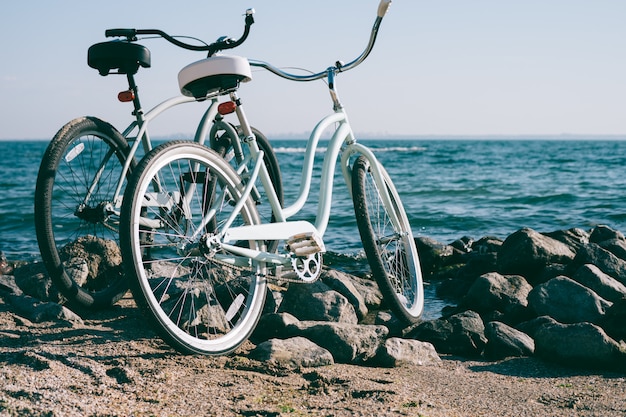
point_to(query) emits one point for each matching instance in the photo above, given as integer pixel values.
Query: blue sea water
(450, 188)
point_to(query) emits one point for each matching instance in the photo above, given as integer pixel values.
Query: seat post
(132, 86)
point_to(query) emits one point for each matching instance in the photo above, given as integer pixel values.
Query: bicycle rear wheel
(389, 246)
(199, 298)
(77, 230)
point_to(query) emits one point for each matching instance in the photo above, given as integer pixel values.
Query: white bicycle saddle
(217, 73)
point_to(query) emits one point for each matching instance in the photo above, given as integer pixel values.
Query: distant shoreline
(384, 136)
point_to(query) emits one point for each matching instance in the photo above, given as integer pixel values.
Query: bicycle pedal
(305, 244)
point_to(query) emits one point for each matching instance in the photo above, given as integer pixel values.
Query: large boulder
(317, 302)
(398, 352)
(579, 344)
(505, 341)
(602, 284)
(606, 261)
(348, 343)
(461, 334)
(567, 301)
(526, 252)
(293, 353)
(493, 291)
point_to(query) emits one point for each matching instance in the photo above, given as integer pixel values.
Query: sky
(439, 68)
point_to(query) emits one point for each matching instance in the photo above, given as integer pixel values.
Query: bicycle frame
(283, 229)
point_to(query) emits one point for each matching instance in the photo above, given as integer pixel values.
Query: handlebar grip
(382, 7)
(129, 33)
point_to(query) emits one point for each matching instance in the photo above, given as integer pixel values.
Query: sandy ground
(115, 366)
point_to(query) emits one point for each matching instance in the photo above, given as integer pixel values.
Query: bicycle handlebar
(338, 67)
(221, 44)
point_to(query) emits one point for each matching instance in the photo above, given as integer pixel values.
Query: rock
(603, 259)
(526, 252)
(574, 238)
(102, 259)
(507, 294)
(567, 301)
(368, 288)
(601, 233)
(433, 255)
(579, 344)
(616, 246)
(348, 343)
(317, 302)
(33, 280)
(38, 312)
(293, 353)
(9, 286)
(614, 320)
(487, 244)
(398, 352)
(271, 326)
(391, 322)
(461, 334)
(505, 341)
(343, 284)
(602, 284)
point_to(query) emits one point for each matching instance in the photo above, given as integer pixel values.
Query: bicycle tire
(197, 303)
(63, 219)
(391, 251)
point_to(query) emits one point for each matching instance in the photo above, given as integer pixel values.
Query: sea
(450, 188)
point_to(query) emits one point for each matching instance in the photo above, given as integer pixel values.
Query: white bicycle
(199, 255)
(83, 172)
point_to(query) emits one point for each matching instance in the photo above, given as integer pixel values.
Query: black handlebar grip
(129, 33)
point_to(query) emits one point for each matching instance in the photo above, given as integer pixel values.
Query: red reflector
(126, 96)
(226, 108)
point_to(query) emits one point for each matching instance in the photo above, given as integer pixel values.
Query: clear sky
(440, 67)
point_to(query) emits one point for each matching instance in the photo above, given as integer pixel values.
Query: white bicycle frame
(283, 229)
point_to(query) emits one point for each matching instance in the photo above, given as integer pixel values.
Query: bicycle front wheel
(75, 219)
(389, 244)
(200, 298)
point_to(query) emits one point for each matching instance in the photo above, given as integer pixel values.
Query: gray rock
(580, 344)
(616, 246)
(344, 285)
(567, 301)
(293, 353)
(461, 334)
(505, 341)
(391, 322)
(33, 280)
(399, 352)
(574, 238)
(602, 233)
(348, 343)
(9, 286)
(526, 252)
(38, 311)
(602, 284)
(272, 326)
(368, 288)
(493, 291)
(101, 258)
(603, 259)
(317, 302)
(614, 320)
